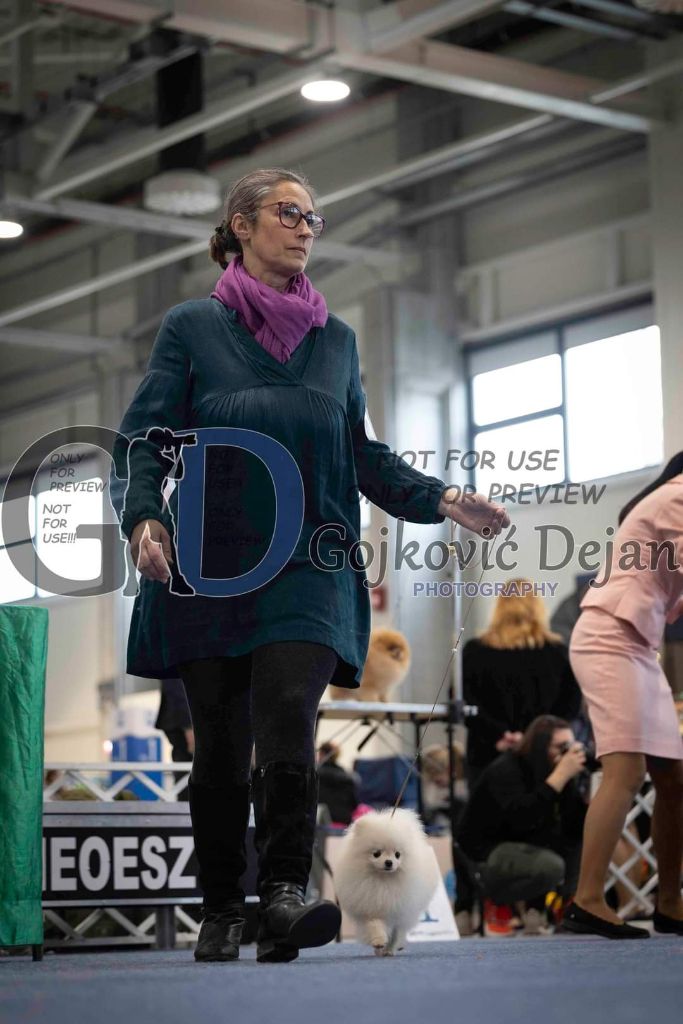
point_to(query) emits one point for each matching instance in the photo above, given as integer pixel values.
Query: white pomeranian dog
(385, 877)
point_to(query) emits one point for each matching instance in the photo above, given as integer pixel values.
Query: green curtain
(23, 659)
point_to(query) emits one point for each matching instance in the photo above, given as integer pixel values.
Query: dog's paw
(381, 951)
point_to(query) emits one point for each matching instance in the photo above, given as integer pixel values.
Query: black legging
(268, 697)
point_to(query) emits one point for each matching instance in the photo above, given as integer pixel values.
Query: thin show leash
(486, 533)
(353, 726)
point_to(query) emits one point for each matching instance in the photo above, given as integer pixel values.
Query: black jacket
(174, 712)
(511, 687)
(509, 804)
(338, 790)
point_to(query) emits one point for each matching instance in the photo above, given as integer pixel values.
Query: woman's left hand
(474, 512)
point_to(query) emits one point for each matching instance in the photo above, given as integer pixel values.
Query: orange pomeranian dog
(386, 666)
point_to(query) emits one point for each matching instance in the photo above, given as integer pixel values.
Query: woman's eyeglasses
(291, 216)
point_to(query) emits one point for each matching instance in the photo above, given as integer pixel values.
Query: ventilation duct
(182, 185)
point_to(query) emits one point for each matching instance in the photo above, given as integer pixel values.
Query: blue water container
(135, 739)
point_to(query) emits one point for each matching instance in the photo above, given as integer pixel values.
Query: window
(614, 404)
(53, 518)
(518, 453)
(517, 390)
(588, 394)
(78, 559)
(13, 586)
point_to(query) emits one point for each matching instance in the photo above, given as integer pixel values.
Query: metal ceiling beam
(394, 24)
(281, 26)
(324, 250)
(639, 81)
(61, 127)
(500, 79)
(456, 154)
(115, 216)
(462, 153)
(80, 113)
(58, 341)
(465, 151)
(594, 27)
(137, 11)
(79, 57)
(101, 160)
(625, 11)
(96, 284)
(582, 159)
(21, 70)
(130, 217)
(26, 26)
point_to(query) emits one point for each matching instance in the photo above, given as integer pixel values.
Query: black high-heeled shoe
(581, 921)
(666, 924)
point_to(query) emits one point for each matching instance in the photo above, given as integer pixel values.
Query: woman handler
(262, 354)
(613, 652)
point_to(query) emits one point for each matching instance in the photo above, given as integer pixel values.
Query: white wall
(78, 659)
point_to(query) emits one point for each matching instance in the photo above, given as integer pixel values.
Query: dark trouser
(472, 774)
(267, 699)
(520, 871)
(179, 748)
(179, 752)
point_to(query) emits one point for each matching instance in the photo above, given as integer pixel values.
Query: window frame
(559, 329)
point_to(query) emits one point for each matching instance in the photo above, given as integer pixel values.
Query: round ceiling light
(182, 192)
(10, 229)
(326, 90)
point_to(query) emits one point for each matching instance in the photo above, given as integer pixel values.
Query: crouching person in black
(524, 820)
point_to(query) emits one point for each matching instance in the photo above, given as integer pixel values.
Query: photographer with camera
(524, 820)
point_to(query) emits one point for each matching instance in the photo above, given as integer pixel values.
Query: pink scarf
(278, 320)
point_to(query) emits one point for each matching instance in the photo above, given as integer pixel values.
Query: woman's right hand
(508, 741)
(573, 762)
(150, 547)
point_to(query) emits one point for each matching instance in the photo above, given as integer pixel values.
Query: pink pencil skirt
(630, 703)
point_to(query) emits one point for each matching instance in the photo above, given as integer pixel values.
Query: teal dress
(207, 370)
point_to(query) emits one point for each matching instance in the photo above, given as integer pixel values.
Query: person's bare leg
(624, 851)
(667, 832)
(622, 777)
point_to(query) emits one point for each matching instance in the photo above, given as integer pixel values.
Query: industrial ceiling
(82, 130)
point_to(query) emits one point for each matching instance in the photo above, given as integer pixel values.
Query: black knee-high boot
(220, 816)
(285, 809)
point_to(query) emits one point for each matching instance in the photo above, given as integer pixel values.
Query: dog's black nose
(388, 865)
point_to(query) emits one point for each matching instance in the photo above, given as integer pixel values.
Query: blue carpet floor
(562, 980)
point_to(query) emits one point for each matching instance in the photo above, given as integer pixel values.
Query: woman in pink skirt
(613, 653)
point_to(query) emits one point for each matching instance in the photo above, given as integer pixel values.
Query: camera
(570, 746)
